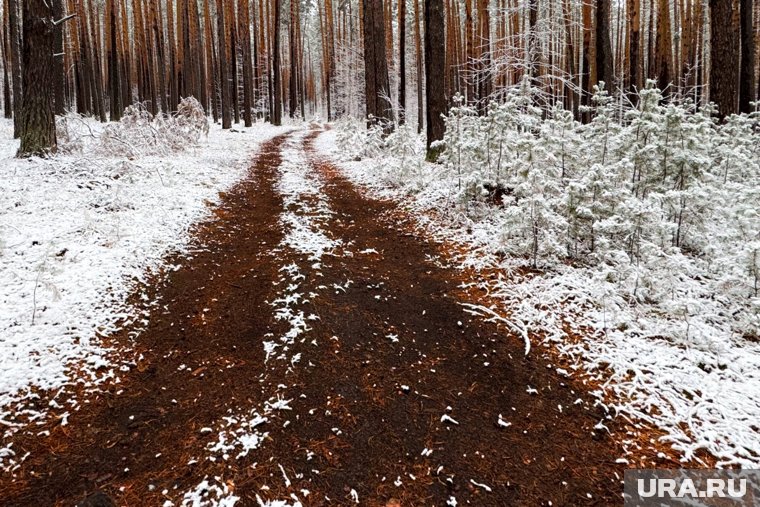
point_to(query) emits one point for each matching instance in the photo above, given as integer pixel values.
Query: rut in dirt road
(312, 351)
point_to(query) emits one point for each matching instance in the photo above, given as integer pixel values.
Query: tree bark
(37, 115)
(484, 57)
(434, 61)
(277, 85)
(293, 43)
(724, 57)
(604, 71)
(664, 56)
(245, 43)
(634, 30)
(418, 59)
(376, 83)
(15, 35)
(112, 57)
(401, 62)
(747, 78)
(223, 66)
(59, 75)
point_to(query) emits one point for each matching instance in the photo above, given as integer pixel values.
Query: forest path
(311, 351)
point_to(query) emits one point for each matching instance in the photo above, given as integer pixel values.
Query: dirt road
(311, 350)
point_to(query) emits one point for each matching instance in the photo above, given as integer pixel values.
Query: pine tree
(418, 64)
(37, 115)
(15, 47)
(604, 70)
(223, 66)
(747, 79)
(724, 57)
(376, 84)
(435, 59)
(276, 84)
(402, 61)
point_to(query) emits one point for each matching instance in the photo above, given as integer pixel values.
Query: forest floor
(315, 350)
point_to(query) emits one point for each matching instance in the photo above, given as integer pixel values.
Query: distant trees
(353, 56)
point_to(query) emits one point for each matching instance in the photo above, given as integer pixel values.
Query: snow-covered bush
(356, 142)
(662, 200)
(140, 133)
(644, 227)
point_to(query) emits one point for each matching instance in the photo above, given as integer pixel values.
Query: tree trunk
(7, 102)
(293, 43)
(112, 58)
(37, 116)
(664, 56)
(747, 79)
(418, 62)
(484, 55)
(634, 29)
(59, 75)
(724, 57)
(15, 35)
(434, 62)
(401, 62)
(604, 71)
(377, 87)
(277, 102)
(245, 44)
(223, 66)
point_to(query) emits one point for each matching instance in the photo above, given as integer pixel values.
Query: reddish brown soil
(212, 318)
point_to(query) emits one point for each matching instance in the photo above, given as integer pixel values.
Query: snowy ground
(691, 378)
(78, 232)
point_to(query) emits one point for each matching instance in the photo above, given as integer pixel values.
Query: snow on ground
(78, 232)
(690, 377)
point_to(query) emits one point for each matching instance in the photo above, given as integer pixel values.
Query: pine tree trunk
(293, 41)
(634, 29)
(37, 113)
(211, 65)
(245, 43)
(747, 79)
(401, 62)
(7, 102)
(604, 71)
(15, 36)
(484, 57)
(112, 57)
(376, 84)
(59, 75)
(469, 56)
(664, 56)
(418, 63)
(223, 65)
(434, 61)
(724, 57)
(276, 84)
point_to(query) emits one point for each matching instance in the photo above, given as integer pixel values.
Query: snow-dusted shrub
(140, 133)
(356, 142)
(645, 229)
(661, 200)
(72, 132)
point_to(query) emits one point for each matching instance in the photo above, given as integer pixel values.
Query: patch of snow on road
(305, 203)
(78, 232)
(210, 494)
